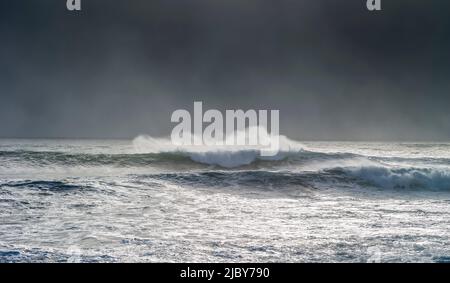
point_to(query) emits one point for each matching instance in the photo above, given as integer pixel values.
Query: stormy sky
(118, 69)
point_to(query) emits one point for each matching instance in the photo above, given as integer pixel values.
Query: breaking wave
(358, 177)
(294, 165)
(380, 177)
(401, 178)
(224, 156)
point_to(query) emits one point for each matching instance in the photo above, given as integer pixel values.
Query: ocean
(138, 201)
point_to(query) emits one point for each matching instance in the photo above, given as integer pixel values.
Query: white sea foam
(56, 196)
(405, 178)
(222, 155)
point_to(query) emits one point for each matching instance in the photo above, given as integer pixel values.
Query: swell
(44, 185)
(246, 168)
(40, 158)
(224, 159)
(400, 177)
(362, 177)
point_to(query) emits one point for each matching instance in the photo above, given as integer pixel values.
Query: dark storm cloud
(119, 68)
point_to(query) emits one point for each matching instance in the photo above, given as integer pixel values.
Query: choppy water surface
(108, 201)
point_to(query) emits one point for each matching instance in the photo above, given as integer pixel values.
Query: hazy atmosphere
(118, 69)
(92, 169)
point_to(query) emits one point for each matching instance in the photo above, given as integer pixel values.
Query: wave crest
(224, 156)
(401, 178)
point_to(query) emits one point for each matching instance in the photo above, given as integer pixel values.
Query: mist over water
(334, 70)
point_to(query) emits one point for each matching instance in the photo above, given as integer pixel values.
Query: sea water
(142, 201)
